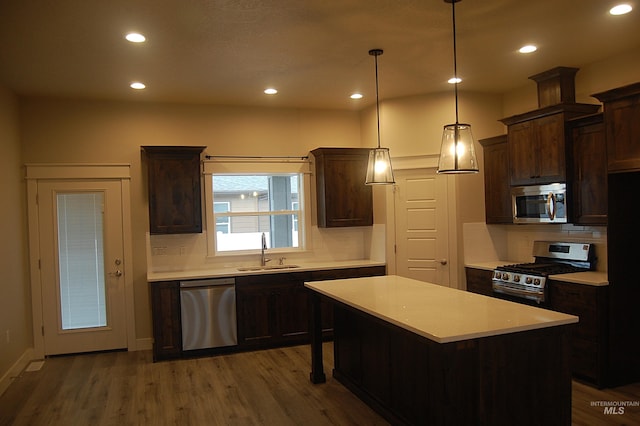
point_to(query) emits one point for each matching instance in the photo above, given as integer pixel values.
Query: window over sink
(246, 206)
(243, 202)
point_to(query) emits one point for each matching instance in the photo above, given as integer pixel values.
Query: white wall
(616, 71)
(15, 304)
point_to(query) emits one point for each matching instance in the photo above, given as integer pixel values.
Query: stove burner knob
(528, 280)
(516, 278)
(497, 275)
(505, 276)
(536, 281)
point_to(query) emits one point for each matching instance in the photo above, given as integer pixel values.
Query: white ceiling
(314, 51)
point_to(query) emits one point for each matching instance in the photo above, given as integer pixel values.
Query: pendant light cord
(455, 63)
(376, 54)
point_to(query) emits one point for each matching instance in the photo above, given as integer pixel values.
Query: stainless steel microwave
(539, 203)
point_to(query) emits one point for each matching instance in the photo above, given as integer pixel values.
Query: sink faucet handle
(281, 260)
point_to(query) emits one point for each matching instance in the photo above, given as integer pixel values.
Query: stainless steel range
(529, 280)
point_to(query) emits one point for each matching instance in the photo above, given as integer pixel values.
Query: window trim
(258, 167)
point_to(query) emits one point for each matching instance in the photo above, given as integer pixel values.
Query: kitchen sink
(267, 268)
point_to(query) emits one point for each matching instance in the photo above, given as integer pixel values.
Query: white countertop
(490, 265)
(189, 274)
(438, 313)
(595, 278)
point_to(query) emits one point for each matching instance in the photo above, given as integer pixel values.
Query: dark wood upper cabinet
(536, 140)
(497, 191)
(343, 199)
(587, 183)
(174, 175)
(556, 86)
(622, 123)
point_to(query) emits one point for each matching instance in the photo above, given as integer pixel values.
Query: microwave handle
(551, 206)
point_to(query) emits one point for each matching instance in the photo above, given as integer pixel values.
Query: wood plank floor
(268, 387)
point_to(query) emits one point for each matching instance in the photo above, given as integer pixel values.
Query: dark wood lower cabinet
(165, 311)
(518, 378)
(588, 340)
(271, 310)
(479, 281)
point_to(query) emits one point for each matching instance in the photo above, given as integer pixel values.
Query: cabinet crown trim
(570, 109)
(619, 92)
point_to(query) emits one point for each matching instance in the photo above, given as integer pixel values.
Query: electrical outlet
(183, 251)
(160, 251)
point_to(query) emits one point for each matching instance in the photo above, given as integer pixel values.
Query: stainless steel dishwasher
(208, 313)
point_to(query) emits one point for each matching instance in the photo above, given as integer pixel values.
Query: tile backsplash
(514, 243)
(189, 251)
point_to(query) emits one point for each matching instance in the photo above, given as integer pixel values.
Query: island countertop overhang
(437, 313)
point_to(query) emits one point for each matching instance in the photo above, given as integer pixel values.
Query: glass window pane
(223, 223)
(258, 204)
(256, 193)
(81, 260)
(247, 235)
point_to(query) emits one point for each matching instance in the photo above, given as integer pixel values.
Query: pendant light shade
(379, 170)
(457, 154)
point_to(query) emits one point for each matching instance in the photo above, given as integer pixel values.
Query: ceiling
(315, 52)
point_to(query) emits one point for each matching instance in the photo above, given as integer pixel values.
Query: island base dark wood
(518, 378)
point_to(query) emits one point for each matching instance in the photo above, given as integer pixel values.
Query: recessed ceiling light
(620, 9)
(270, 91)
(454, 80)
(529, 48)
(356, 96)
(135, 38)
(137, 85)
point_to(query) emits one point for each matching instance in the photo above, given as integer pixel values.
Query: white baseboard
(16, 369)
(145, 344)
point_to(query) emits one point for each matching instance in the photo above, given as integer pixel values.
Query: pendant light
(457, 154)
(379, 171)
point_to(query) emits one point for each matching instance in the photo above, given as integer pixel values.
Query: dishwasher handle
(208, 283)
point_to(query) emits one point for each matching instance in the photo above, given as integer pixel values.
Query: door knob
(443, 261)
(117, 273)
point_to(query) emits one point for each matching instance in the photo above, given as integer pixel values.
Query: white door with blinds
(81, 266)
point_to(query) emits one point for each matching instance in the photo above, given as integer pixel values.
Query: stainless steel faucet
(263, 260)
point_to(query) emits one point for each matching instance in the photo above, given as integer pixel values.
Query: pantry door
(422, 227)
(82, 268)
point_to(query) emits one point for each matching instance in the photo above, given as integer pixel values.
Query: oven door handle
(516, 292)
(551, 206)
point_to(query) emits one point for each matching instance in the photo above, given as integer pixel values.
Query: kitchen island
(419, 353)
